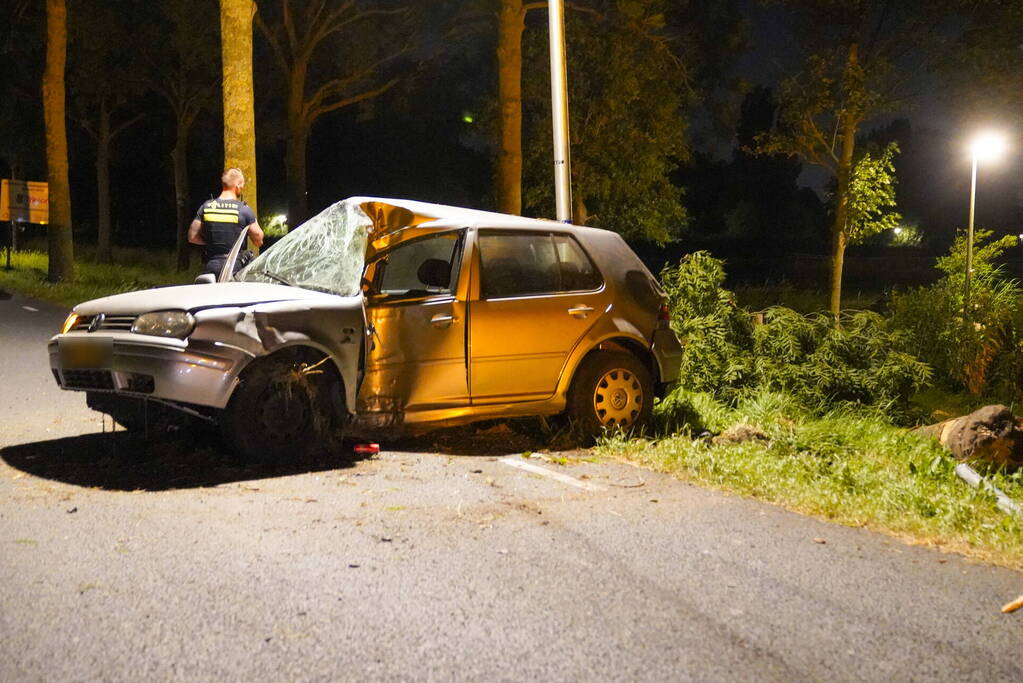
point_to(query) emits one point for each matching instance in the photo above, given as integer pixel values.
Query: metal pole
(559, 111)
(969, 240)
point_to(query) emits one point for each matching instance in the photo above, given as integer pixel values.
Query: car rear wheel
(284, 408)
(612, 391)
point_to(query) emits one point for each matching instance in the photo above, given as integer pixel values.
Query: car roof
(398, 220)
(443, 216)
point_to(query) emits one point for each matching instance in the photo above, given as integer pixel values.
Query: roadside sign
(24, 201)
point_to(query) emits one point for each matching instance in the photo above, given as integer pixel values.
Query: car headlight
(164, 324)
(69, 323)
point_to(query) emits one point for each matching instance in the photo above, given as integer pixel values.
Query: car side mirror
(206, 279)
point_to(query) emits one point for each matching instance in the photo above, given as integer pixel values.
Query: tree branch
(117, 130)
(355, 99)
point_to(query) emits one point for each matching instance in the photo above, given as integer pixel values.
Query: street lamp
(985, 147)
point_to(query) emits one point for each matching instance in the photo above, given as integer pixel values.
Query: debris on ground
(367, 449)
(1012, 606)
(991, 435)
(740, 433)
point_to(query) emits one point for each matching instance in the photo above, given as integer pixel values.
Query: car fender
(333, 328)
(609, 328)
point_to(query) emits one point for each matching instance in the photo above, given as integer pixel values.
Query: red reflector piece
(664, 314)
(367, 449)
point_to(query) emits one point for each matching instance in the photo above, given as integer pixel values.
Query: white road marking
(29, 308)
(518, 463)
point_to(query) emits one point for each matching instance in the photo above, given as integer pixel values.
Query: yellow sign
(24, 201)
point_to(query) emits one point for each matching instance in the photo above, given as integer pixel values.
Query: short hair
(233, 177)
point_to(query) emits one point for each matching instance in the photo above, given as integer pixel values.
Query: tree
(360, 40)
(103, 83)
(511, 24)
(182, 71)
(239, 117)
(859, 52)
(61, 242)
(627, 93)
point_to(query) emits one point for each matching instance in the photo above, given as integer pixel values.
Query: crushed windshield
(326, 253)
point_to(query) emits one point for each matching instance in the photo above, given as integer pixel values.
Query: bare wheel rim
(618, 398)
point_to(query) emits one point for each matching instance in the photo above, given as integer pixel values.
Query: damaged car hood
(193, 297)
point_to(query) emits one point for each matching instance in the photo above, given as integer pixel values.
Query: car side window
(577, 270)
(522, 264)
(421, 268)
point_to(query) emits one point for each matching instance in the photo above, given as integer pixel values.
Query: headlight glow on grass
(164, 324)
(69, 323)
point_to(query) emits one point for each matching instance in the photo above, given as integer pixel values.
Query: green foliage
(818, 363)
(626, 89)
(872, 195)
(984, 352)
(821, 364)
(848, 465)
(716, 335)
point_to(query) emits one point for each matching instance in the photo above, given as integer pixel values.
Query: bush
(809, 357)
(982, 352)
(716, 335)
(822, 364)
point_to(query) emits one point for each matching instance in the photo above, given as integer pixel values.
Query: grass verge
(132, 269)
(849, 467)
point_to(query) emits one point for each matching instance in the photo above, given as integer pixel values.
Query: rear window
(523, 264)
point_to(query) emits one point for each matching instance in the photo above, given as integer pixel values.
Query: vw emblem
(97, 322)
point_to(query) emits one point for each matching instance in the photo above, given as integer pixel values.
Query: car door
(416, 356)
(538, 295)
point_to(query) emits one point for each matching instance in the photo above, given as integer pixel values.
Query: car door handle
(442, 320)
(580, 311)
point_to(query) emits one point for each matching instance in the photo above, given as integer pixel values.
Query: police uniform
(222, 221)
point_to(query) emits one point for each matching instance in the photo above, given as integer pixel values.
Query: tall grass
(849, 466)
(132, 269)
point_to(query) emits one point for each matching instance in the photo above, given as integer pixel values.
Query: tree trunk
(61, 241)
(839, 236)
(103, 252)
(511, 25)
(579, 211)
(298, 137)
(179, 156)
(239, 119)
(295, 162)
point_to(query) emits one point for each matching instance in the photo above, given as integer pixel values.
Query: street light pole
(969, 239)
(559, 111)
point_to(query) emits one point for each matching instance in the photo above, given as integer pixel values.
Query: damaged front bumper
(176, 370)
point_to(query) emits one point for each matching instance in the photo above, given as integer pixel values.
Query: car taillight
(664, 314)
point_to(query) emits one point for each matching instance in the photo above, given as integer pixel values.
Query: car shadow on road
(121, 461)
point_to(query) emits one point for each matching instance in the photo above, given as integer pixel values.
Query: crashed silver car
(386, 314)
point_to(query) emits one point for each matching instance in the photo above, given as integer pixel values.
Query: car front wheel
(612, 391)
(283, 408)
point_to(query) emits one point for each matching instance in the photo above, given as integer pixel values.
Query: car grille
(89, 379)
(116, 323)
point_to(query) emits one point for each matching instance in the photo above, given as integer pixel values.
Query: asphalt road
(167, 560)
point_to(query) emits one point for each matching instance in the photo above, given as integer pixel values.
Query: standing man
(219, 222)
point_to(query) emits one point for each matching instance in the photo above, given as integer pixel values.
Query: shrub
(810, 358)
(981, 352)
(716, 335)
(822, 364)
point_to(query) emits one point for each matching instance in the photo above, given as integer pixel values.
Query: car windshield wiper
(273, 276)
